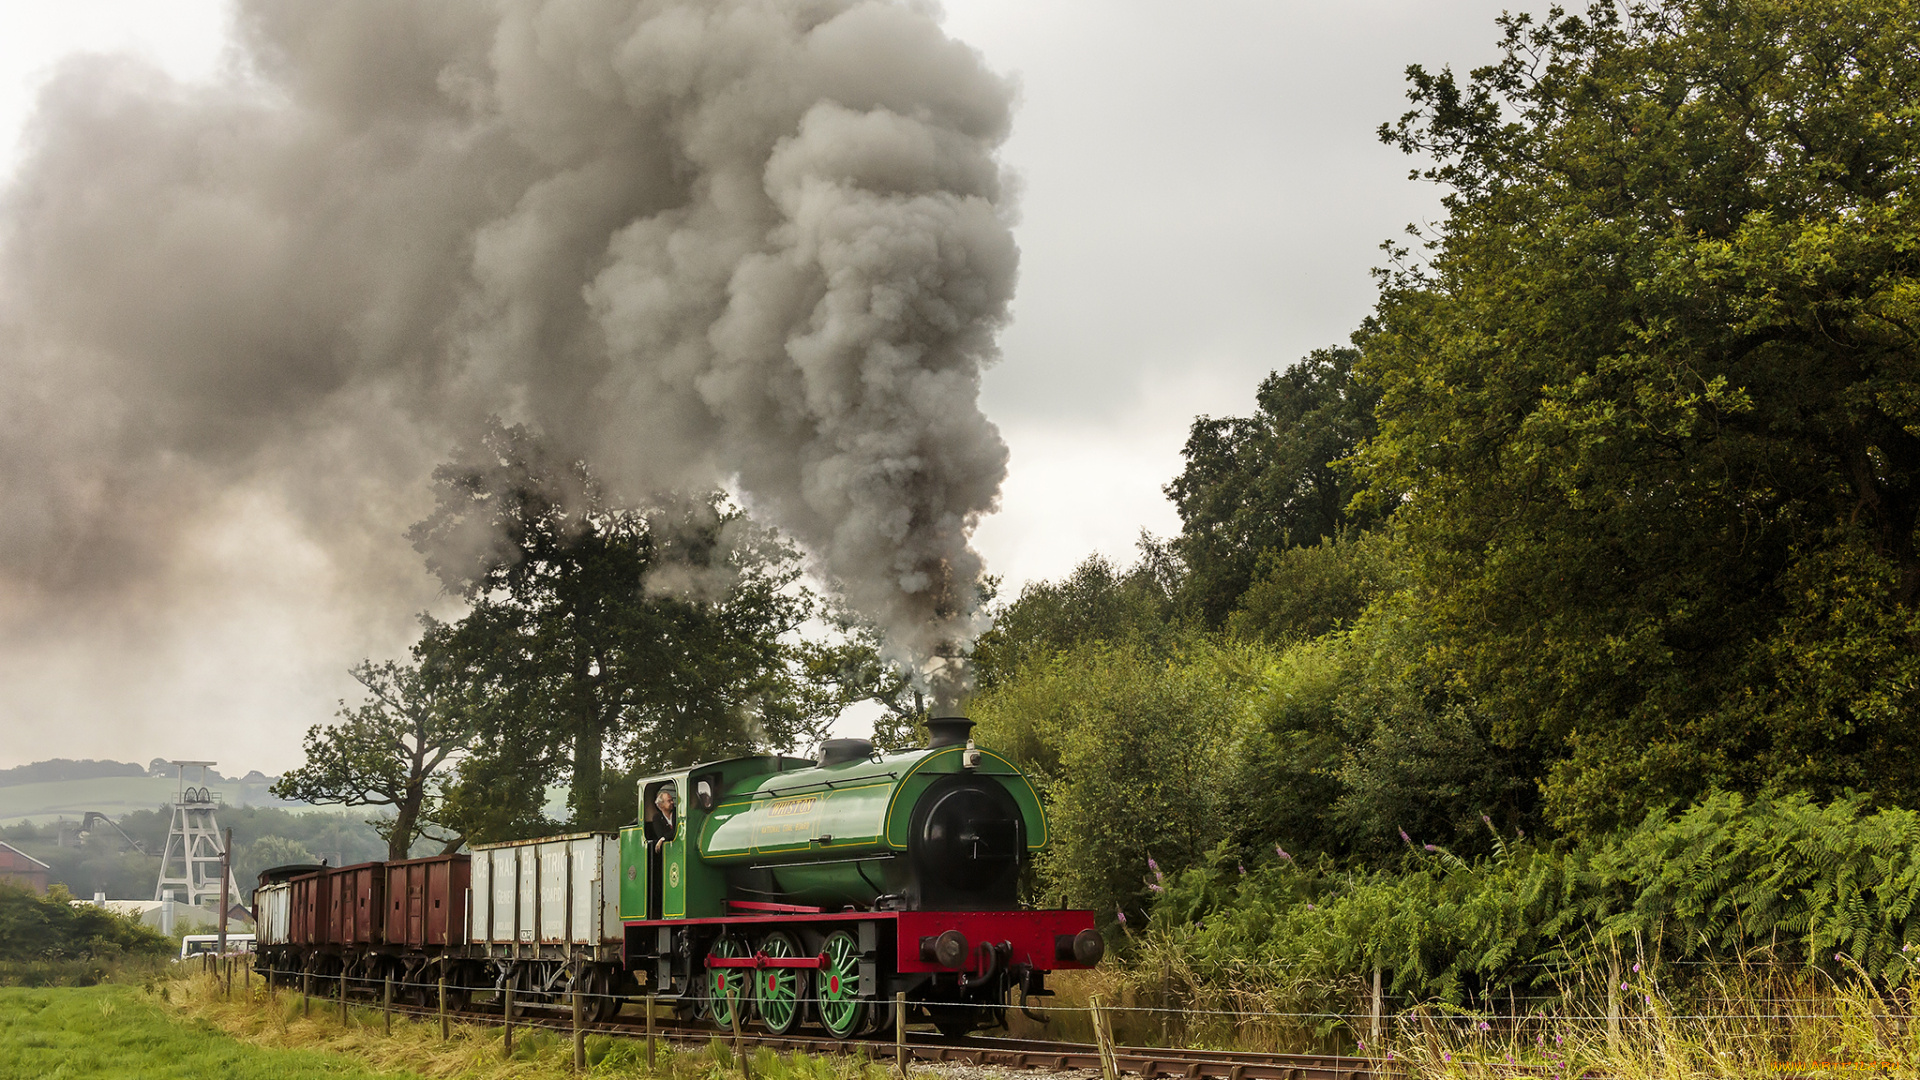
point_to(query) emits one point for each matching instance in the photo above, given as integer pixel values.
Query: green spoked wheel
(727, 988)
(836, 987)
(777, 990)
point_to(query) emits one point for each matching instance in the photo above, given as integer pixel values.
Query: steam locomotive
(789, 890)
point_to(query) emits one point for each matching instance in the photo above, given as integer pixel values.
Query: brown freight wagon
(356, 895)
(427, 902)
(311, 910)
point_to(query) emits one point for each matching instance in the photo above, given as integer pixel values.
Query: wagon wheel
(836, 986)
(778, 991)
(602, 1003)
(726, 988)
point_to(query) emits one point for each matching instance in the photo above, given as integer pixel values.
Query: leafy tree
(1652, 398)
(1304, 592)
(1419, 754)
(600, 634)
(271, 851)
(1129, 749)
(388, 751)
(1098, 602)
(1271, 481)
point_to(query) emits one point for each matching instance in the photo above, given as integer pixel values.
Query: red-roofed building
(21, 869)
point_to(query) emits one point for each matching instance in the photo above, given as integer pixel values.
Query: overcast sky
(1204, 195)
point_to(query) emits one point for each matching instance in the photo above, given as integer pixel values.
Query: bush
(1129, 750)
(1833, 888)
(50, 929)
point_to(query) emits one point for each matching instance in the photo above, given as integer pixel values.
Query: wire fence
(562, 992)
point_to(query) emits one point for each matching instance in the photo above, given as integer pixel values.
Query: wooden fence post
(1103, 1038)
(734, 1000)
(386, 1001)
(579, 1032)
(1378, 1008)
(444, 1033)
(1613, 1006)
(306, 993)
(900, 1033)
(650, 1001)
(506, 1016)
(343, 999)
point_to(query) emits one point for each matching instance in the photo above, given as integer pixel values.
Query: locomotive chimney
(948, 731)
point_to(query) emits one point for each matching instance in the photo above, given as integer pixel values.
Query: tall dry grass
(472, 1050)
(1733, 1020)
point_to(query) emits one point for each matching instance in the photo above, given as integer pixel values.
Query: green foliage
(1648, 409)
(271, 851)
(1129, 749)
(1303, 592)
(1098, 602)
(1835, 887)
(1419, 754)
(1271, 481)
(49, 927)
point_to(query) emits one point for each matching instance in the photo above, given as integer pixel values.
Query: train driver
(660, 825)
(660, 829)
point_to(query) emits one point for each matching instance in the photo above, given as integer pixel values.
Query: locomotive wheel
(836, 987)
(726, 989)
(778, 991)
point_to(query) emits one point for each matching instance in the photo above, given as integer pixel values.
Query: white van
(206, 944)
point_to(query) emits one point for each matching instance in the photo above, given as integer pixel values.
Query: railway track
(1029, 1054)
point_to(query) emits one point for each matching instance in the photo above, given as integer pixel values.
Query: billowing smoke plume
(759, 242)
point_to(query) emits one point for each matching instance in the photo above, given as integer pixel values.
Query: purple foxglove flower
(1404, 837)
(1636, 969)
(1121, 912)
(1431, 848)
(1155, 886)
(1243, 869)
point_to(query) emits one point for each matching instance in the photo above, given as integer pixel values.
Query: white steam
(707, 241)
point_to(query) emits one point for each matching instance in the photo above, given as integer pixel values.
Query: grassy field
(124, 1033)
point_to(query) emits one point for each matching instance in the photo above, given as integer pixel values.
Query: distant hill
(116, 795)
(67, 769)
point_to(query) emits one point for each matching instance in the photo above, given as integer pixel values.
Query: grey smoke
(708, 241)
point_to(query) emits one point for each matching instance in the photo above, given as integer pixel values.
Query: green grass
(119, 1032)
